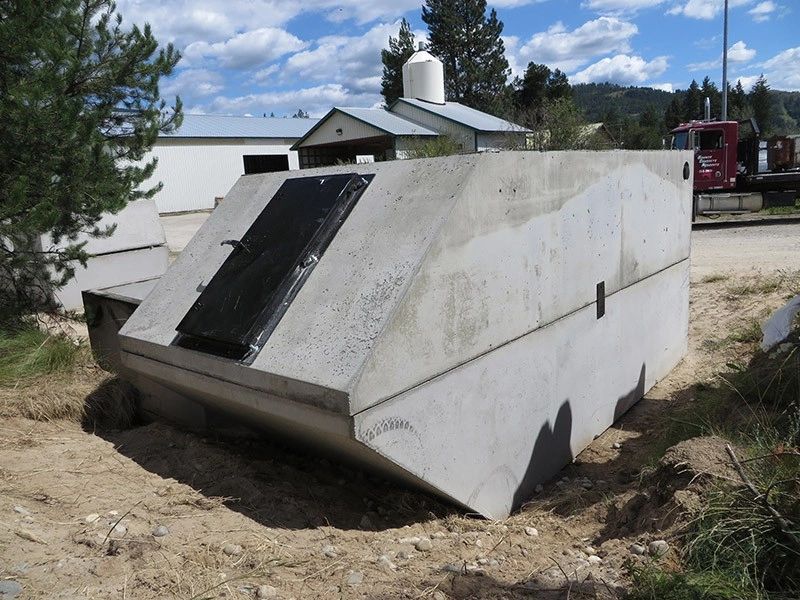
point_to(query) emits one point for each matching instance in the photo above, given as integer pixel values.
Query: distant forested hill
(599, 100)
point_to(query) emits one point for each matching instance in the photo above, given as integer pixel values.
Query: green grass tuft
(736, 548)
(30, 352)
(651, 583)
(748, 333)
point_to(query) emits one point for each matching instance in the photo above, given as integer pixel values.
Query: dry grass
(764, 285)
(47, 377)
(714, 278)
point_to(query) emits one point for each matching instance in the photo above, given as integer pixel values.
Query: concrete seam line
(512, 340)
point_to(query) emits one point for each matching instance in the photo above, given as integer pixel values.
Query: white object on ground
(779, 325)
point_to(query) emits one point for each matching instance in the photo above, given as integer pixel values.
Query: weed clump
(745, 541)
(30, 352)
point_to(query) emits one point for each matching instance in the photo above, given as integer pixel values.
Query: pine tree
(469, 44)
(400, 50)
(531, 90)
(693, 102)
(738, 108)
(558, 85)
(80, 107)
(675, 113)
(538, 85)
(761, 103)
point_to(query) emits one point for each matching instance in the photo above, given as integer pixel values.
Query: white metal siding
(352, 129)
(462, 135)
(196, 170)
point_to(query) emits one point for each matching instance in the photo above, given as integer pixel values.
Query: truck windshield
(679, 140)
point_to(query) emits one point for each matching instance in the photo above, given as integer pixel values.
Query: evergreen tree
(761, 103)
(400, 50)
(647, 134)
(469, 44)
(300, 114)
(538, 84)
(558, 86)
(531, 90)
(80, 107)
(710, 90)
(675, 113)
(738, 108)
(693, 102)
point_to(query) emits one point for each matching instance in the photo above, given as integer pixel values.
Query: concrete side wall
(460, 134)
(195, 170)
(113, 269)
(137, 226)
(488, 431)
(529, 240)
(352, 129)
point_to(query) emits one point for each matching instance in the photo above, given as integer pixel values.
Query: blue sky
(262, 56)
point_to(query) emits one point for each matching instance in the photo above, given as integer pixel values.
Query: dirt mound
(672, 494)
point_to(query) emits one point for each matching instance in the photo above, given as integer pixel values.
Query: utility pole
(725, 67)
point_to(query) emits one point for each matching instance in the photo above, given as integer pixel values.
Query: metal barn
(204, 158)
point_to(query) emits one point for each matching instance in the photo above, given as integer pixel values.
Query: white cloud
(352, 61)
(783, 70)
(763, 11)
(185, 21)
(345, 70)
(703, 9)
(194, 83)
(246, 49)
(747, 82)
(664, 87)
(620, 6)
(738, 53)
(316, 100)
(622, 69)
(568, 50)
(512, 3)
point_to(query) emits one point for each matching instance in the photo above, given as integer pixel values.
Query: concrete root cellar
(467, 323)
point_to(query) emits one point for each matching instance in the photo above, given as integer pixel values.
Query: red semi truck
(727, 178)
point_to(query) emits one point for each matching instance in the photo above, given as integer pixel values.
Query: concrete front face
(475, 321)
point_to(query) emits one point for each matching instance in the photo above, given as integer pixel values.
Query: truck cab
(715, 145)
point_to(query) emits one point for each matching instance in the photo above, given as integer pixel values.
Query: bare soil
(79, 505)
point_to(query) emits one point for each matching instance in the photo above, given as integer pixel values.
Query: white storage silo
(423, 77)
